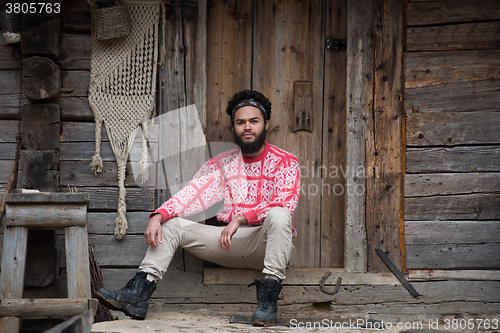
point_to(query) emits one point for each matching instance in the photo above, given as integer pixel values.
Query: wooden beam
(46, 307)
(465, 36)
(77, 262)
(49, 216)
(298, 276)
(452, 128)
(359, 99)
(445, 12)
(453, 159)
(383, 169)
(427, 184)
(454, 275)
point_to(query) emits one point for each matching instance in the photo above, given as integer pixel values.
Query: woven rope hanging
(122, 91)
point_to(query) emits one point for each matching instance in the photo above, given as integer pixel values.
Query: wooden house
(392, 108)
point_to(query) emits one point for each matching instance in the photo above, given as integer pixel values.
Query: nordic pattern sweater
(249, 186)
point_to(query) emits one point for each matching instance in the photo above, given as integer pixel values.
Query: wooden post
(77, 262)
(13, 264)
(359, 88)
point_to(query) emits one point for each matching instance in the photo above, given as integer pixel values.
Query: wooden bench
(25, 211)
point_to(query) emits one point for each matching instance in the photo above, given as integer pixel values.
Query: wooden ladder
(66, 211)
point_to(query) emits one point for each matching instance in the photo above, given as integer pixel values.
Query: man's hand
(228, 232)
(153, 230)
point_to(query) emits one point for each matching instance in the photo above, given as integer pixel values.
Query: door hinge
(335, 44)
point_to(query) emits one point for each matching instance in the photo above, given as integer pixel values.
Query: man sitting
(259, 184)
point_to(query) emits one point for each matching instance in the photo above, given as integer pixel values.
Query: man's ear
(266, 126)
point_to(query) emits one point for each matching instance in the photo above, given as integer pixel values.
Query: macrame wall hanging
(122, 90)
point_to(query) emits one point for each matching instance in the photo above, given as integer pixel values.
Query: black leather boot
(268, 291)
(133, 299)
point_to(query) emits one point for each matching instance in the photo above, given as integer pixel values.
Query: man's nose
(247, 125)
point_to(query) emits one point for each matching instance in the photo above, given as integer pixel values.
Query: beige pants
(266, 247)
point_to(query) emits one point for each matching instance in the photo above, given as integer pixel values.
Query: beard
(250, 147)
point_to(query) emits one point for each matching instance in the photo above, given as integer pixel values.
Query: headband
(249, 102)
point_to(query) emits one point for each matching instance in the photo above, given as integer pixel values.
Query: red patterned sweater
(249, 186)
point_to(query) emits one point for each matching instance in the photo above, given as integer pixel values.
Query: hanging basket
(110, 22)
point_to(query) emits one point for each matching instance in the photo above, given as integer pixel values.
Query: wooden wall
(452, 107)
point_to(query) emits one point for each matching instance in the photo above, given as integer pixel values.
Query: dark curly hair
(247, 94)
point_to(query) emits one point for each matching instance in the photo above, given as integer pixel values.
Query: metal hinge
(335, 44)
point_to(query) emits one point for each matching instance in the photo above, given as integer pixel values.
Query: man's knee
(279, 217)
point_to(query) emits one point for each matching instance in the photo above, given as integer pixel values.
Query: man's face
(249, 129)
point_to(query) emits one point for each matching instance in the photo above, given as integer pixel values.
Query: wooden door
(278, 48)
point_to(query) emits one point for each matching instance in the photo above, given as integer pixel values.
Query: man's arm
(228, 232)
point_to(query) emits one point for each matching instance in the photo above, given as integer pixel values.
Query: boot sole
(256, 322)
(128, 309)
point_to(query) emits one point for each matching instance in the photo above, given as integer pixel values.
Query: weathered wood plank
(75, 109)
(8, 131)
(454, 275)
(75, 84)
(104, 223)
(38, 169)
(77, 151)
(421, 185)
(40, 126)
(191, 290)
(453, 207)
(286, 49)
(105, 198)
(41, 78)
(49, 307)
(10, 87)
(7, 151)
(453, 256)
(78, 173)
(359, 86)
(456, 159)
(74, 53)
(127, 252)
(298, 276)
(76, 16)
(77, 262)
(7, 62)
(452, 128)
(451, 232)
(85, 131)
(5, 170)
(426, 68)
(444, 97)
(45, 215)
(384, 138)
(467, 36)
(229, 69)
(334, 140)
(445, 12)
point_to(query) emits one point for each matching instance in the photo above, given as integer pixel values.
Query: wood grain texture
(423, 69)
(229, 61)
(453, 159)
(465, 36)
(50, 307)
(104, 198)
(359, 105)
(334, 140)
(384, 143)
(452, 232)
(453, 256)
(421, 184)
(77, 262)
(287, 49)
(452, 128)
(453, 275)
(445, 12)
(298, 276)
(74, 52)
(78, 173)
(444, 97)
(453, 207)
(10, 87)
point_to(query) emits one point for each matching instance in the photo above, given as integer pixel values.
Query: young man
(259, 184)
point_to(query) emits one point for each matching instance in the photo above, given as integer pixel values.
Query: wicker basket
(111, 22)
